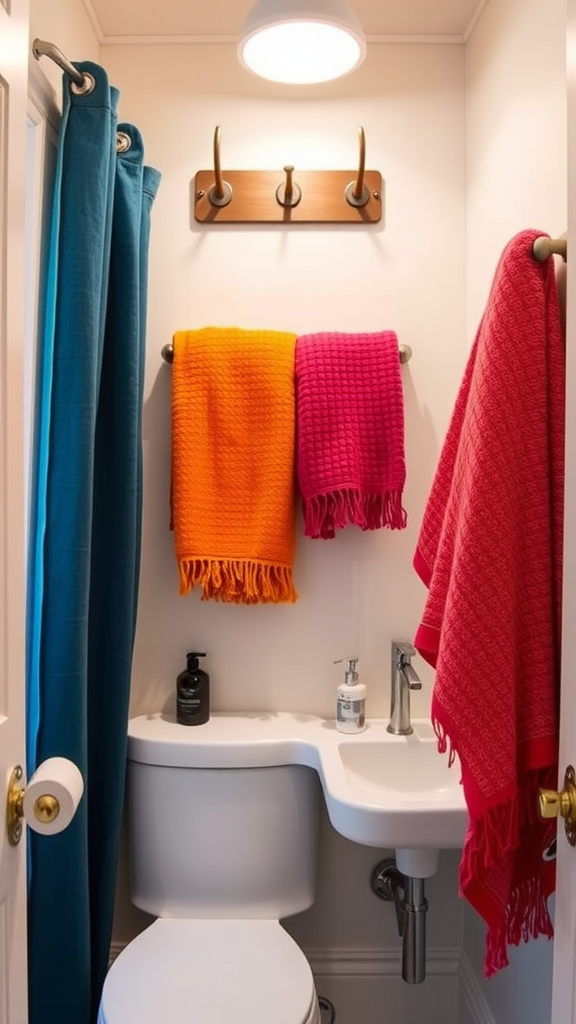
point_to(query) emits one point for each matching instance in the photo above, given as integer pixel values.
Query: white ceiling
(223, 18)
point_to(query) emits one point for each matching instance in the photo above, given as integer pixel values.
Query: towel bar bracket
(544, 247)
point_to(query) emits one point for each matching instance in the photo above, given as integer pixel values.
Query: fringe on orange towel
(233, 487)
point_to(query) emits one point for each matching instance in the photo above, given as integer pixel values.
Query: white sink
(392, 792)
(408, 773)
(399, 791)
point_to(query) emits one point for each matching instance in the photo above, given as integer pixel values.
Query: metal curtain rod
(404, 353)
(41, 48)
(543, 248)
(82, 82)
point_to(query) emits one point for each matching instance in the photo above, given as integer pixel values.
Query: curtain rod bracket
(81, 82)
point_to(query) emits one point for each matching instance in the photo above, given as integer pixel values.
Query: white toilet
(220, 852)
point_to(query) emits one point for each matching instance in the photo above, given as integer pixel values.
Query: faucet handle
(409, 676)
(402, 651)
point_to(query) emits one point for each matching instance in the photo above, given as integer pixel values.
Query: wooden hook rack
(302, 197)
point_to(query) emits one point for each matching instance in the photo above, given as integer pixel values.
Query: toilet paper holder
(49, 802)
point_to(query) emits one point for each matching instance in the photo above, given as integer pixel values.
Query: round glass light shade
(298, 43)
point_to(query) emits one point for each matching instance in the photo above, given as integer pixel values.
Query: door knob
(553, 804)
(48, 803)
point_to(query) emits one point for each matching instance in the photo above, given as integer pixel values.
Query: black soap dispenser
(193, 693)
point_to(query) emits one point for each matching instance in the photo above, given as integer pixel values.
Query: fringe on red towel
(521, 884)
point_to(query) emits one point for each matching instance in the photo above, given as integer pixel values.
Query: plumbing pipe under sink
(415, 908)
(411, 905)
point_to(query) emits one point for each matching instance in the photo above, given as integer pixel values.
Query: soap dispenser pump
(193, 692)
(350, 699)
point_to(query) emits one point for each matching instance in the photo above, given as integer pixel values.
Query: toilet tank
(224, 840)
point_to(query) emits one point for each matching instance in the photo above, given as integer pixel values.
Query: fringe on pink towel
(350, 423)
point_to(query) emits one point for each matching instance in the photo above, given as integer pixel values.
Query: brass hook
(289, 193)
(356, 192)
(221, 192)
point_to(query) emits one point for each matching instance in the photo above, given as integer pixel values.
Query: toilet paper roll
(52, 796)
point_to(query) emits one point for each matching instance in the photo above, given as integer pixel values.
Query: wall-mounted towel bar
(545, 247)
(267, 197)
(404, 353)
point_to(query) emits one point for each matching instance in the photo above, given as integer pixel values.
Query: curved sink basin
(395, 792)
(400, 790)
(409, 773)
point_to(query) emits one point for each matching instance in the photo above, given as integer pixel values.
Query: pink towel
(490, 552)
(350, 425)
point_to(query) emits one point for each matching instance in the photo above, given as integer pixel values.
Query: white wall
(516, 178)
(516, 136)
(407, 273)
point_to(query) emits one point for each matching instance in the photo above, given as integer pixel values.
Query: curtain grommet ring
(86, 87)
(123, 142)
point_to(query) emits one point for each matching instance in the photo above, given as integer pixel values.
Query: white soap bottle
(350, 700)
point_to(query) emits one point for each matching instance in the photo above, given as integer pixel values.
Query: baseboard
(114, 951)
(383, 962)
(473, 1006)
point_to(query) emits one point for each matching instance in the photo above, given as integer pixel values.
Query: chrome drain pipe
(408, 894)
(414, 907)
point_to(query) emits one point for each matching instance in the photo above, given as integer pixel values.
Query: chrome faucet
(404, 679)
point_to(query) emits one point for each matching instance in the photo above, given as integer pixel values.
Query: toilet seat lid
(210, 972)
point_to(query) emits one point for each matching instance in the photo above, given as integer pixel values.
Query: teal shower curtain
(84, 544)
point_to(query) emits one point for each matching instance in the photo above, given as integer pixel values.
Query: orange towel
(233, 440)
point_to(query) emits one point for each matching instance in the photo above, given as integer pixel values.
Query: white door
(13, 103)
(564, 983)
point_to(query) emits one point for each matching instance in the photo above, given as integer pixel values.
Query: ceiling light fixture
(301, 42)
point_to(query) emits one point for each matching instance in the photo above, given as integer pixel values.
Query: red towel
(490, 551)
(350, 425)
